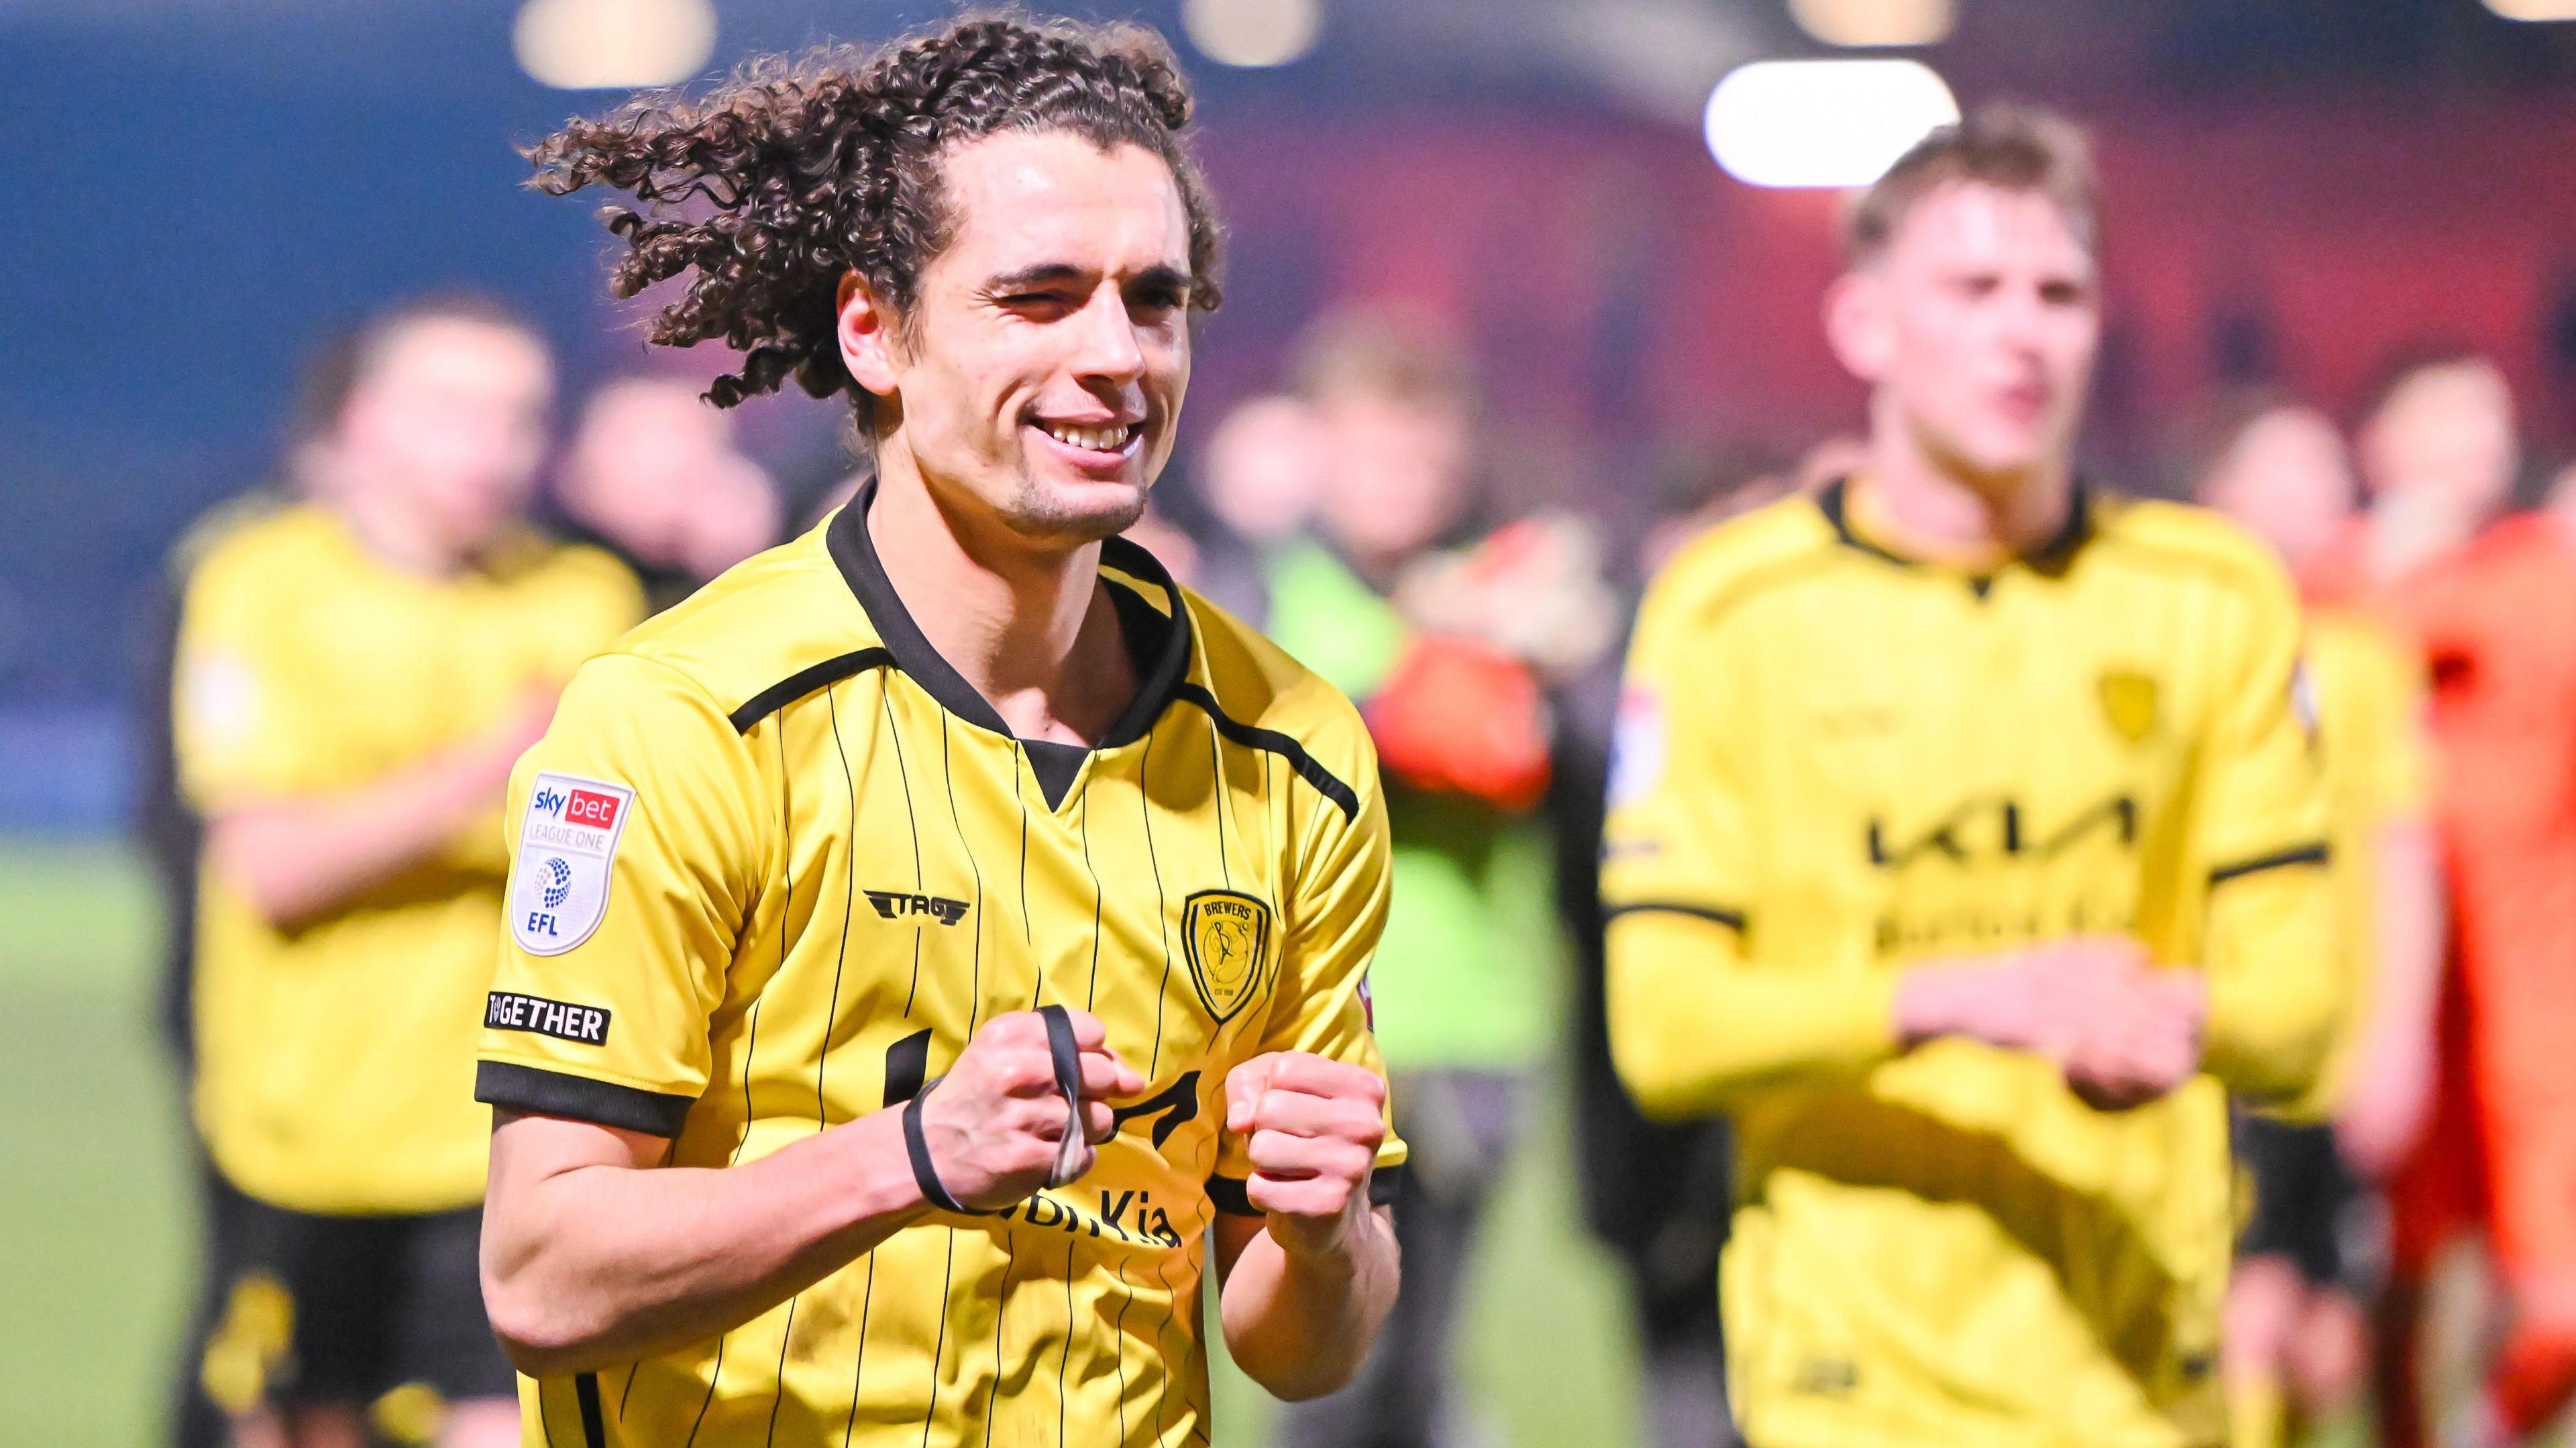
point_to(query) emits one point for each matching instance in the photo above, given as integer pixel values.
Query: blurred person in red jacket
(2490, 598)
(653, 475)
(2296, 1340)
(1447, 643)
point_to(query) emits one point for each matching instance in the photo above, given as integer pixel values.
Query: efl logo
(588, 807)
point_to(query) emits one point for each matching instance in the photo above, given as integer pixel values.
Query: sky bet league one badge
(559, 890)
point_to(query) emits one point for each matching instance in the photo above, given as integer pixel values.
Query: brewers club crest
(1226, 935)
(2128, 703)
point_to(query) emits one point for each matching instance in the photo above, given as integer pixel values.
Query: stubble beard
(1039, 512)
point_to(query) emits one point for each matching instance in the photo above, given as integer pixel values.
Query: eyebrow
(1050, 273)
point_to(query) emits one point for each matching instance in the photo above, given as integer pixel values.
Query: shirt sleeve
(2268, 935)
(245, 722)
(1695, 1020)
(1336, 912)
(633, 860)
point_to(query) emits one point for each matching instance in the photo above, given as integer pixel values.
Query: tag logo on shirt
(2128, 704)
(897, 904)
(1225, 934)
(581, 1025)
(567, 840)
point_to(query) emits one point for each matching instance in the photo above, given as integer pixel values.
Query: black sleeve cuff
(1731, 919)
(2309, 854)
(602, 1103)
(1227, 1193)
(1384, 1183)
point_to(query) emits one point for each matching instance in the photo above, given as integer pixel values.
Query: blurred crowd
(1349, 514)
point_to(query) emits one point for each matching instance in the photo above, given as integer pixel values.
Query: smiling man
(934, 942)
(1964, 847)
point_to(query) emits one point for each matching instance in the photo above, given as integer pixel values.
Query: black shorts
(2302, 1194)
(311, 1309)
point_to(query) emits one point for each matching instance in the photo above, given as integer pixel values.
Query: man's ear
(1857, 325)
(866, 331)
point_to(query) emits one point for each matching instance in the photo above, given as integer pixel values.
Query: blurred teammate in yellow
(355, 675)
(2297, 1337)
(1965, 848)
(939, 940)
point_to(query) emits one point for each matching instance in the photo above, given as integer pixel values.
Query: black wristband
(1067, 1056)
(925, 1175)
(1067, 1059)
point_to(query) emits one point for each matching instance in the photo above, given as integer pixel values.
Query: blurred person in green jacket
(1448, 650)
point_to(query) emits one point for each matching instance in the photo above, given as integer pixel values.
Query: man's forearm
(297, 859)
(2273, 993)
(591, 1264)
(1299, 1325)
(1691, 1025)
(2412, 925)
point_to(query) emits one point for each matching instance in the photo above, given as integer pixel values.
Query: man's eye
(1037, 299)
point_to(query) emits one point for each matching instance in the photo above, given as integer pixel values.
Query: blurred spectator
(355, 674)
(2559, 498)
(653, 476)
(2296, 1343)
(2491, 601)
(1655, 1193)
(1255, 488)
(1439, 648)
(1175, 549)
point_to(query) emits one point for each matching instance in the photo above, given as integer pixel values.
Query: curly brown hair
(797, 170)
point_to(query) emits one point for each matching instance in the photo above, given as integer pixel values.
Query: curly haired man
(869, 1063)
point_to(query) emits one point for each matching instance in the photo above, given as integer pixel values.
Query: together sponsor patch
(563, 1020)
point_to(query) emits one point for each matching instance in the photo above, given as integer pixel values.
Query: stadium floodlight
(1875, 22)
(1253, 33)
(2534, 9)
(614, 44)
(1823, 122)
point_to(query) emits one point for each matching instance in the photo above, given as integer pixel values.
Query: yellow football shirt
(1834, 762)
(2377, 761)
(776, 862)
(333, 1072)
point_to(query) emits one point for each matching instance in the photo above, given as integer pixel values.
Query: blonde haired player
(1966, 848)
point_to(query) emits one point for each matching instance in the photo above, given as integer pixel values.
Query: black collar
(1159, 643)
(2051, 556)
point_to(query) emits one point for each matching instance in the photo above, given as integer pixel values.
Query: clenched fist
(2123, 1031)
(1313, 1127)
(994, 1123)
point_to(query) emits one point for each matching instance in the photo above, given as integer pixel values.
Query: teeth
(1097, 439)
